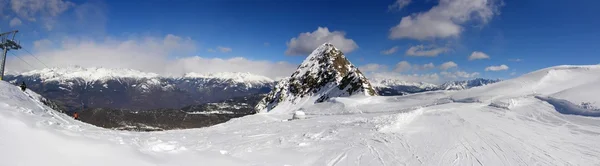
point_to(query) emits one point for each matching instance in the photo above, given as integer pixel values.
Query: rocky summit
(325, 73)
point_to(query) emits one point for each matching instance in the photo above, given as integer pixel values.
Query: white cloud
(515, 60)
(448, 65)
(390, 51)
(427, 66)
(381, 72)
(429, 51)
(62, 15)
(210, 50)
(306, 42)
(15, 22)
(445, 20)
(224, 49)
(496, 68)
(30, 9)
(458, 74)
(42, 44)
(157, 54)
(372, 67)
(478, 55)
(275, 70)
(399, 4)
(402, 66)
(513, 73)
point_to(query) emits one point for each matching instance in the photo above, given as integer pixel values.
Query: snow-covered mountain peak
(467, 84)
(324, 56)
(325, 73)
(241, 77)
(87, 74)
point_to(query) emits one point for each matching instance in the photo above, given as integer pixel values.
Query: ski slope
(506, 123)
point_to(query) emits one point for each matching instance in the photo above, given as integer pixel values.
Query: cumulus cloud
(377, 71)
(478, 55)
(429, 51)
(448, 65)
(402, 66)
(15, 22)
(306, 42)
(458, 74)
(371, 67)
(496, 68)
(390, 51)
(399, 4)
(445, 20)
(224, 49)
(427, 66)
(169, 55)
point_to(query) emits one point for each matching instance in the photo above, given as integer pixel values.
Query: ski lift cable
(35, 57)
(22, 60)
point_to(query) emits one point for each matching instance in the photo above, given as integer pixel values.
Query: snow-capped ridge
(92, 74)
(88, 74)
(388, 82)
(233, 76)
(466, 84)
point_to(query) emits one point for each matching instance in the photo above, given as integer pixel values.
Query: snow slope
(576, 84)
(416, 129)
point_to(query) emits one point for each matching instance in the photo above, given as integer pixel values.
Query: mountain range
(394, 87)
(133, 100)
(77, 87)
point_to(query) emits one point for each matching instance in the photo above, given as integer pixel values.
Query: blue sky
(239, 35)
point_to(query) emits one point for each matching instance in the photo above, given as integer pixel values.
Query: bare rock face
(325, 73)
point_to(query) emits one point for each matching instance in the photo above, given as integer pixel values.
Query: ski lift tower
(6, 43)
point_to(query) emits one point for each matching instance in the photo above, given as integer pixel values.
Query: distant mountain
(77, 87)
(394, 87)
(325, 73)
(461, 85)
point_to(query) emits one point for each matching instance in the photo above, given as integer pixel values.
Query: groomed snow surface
(507, 123)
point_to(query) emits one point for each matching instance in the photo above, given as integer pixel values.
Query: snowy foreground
(536, 119)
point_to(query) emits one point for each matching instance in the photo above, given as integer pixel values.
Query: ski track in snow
(418, 129)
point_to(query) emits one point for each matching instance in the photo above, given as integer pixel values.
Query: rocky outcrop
(325, 73)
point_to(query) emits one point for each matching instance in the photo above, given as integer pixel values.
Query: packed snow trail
(419, 129)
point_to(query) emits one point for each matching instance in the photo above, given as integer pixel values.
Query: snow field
(508, 126)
